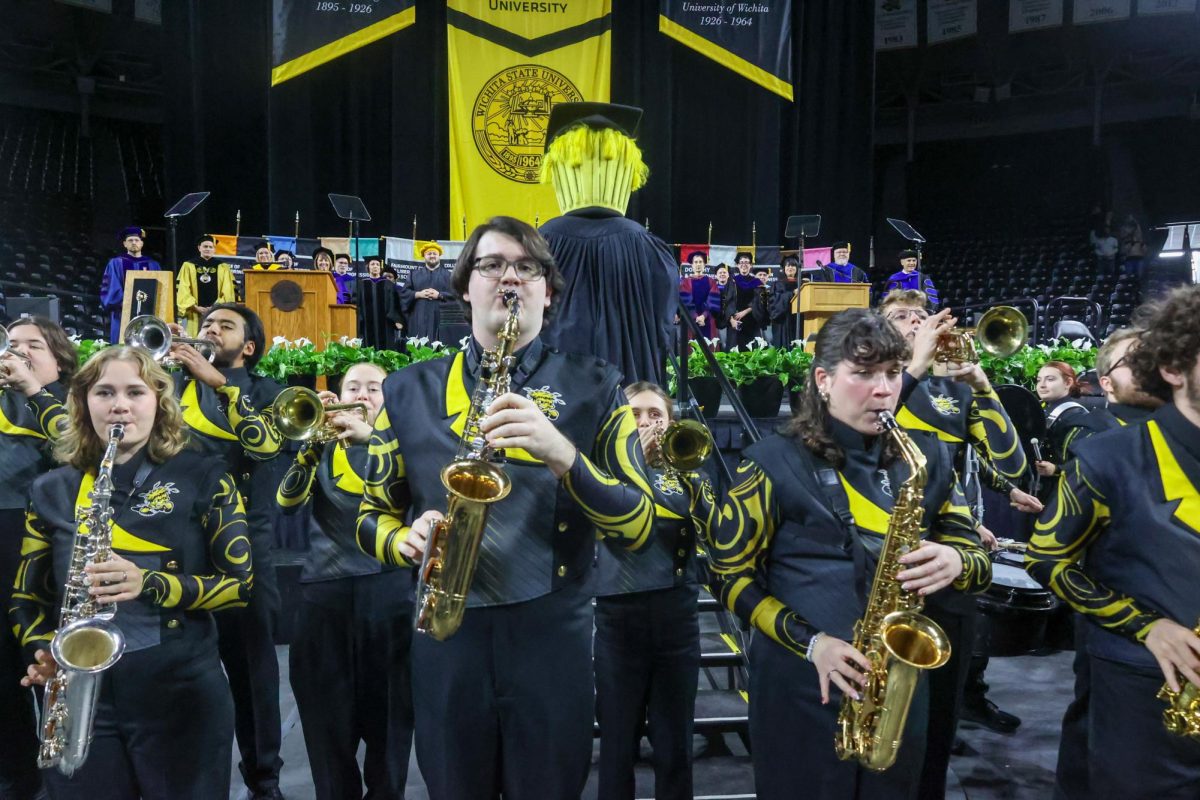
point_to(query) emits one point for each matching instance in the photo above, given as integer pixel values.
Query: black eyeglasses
(1118, 363)
(527, 269)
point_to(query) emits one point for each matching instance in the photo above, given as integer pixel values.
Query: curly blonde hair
(80, 445)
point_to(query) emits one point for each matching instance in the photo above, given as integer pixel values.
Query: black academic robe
(621, 292)
(783, 319)
(424, 316)
(378, 313)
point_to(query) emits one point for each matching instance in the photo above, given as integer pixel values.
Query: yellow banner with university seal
(510, 62)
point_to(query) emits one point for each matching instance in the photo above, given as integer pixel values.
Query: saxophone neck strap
(838, 503)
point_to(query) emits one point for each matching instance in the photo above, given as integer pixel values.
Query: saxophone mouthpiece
(116, 430)
(510, 297)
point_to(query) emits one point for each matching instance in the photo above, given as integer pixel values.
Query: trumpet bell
(685, 445)
(150, 334)
(300, 416)
(1001, 331)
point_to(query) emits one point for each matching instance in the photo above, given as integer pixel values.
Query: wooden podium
(299, 302)
(820, 301)
(148, 292)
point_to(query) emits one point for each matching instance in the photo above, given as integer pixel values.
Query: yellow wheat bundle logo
(510, 116)
(157, 500)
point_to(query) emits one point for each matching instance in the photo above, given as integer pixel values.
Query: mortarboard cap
(907, 254)
(316, 252)
(841, 244)
(205, 238)
(695, 253)
(263, 244)
(597, 116)
(132, 230)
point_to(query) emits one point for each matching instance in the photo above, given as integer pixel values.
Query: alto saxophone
(1182, 714)
(472, 484)
(87, 642)
(893, 634)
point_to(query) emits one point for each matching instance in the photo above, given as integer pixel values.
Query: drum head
(1026, 413)
(1016, 578)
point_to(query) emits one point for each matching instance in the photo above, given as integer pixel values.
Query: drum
(1016, 610)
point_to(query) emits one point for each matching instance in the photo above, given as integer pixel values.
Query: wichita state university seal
(510, 115)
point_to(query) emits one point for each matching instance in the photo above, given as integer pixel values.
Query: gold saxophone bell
(151, 334)
(1001, 331)
(1181, 717)
(300, 415)
(684, 445)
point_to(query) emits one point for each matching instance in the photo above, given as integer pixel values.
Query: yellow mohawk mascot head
(591, 158)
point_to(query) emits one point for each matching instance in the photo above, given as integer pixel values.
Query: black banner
(308, 33)
(752, 39)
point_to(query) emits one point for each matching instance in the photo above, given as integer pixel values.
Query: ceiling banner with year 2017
(510, 62)
(753, 39)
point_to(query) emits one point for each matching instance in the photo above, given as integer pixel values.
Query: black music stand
(801, 226)
(186, 205)
(351, 208)
(910, 233)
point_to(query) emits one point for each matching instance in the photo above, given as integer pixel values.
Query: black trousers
(647, 668)
(946, 695)
(247, 647)
(162, 729)
(350, 673)
(19, 778)
(1071, 773)
(791, 736)
(504, 707)
(1131, 756)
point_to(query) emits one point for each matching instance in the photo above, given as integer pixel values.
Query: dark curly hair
(1171, 339)
(533, 244)
(857, 335)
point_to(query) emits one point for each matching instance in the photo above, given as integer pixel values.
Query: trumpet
(6, 350)
(1001, 331)
(301, 416)
(683, 446)
(154, 336)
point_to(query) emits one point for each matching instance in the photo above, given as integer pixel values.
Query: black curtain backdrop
(374, 124)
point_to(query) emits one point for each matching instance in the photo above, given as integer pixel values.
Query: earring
(824, 395)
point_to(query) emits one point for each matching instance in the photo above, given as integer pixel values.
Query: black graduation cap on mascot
(591, 157)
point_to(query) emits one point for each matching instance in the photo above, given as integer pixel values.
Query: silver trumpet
(154, 336)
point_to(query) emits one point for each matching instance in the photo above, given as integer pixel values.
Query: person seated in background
(840, 270)
(322, 259)
(286, 259)
(264, 256)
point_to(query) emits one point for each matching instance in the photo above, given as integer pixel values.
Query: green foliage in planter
(759, 360)
(1022, 366)
(86, 348)
(286, 358)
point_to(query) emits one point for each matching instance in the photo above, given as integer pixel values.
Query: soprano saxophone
(893, 634)
(87, 642)
(473, 482)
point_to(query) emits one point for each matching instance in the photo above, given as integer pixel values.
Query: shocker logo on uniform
(945, 405)
(668, 484)
(545, 400)
(157, 500)
(885, 482)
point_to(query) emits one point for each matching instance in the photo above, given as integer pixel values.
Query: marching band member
(180, 552)
(1128, 499)
(647, 647)
(227, 411)
(505, 705)
(1066, 417)
(349, 658)
(40, 359)
(1125, 404)
(958, 404)
(796, 539)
